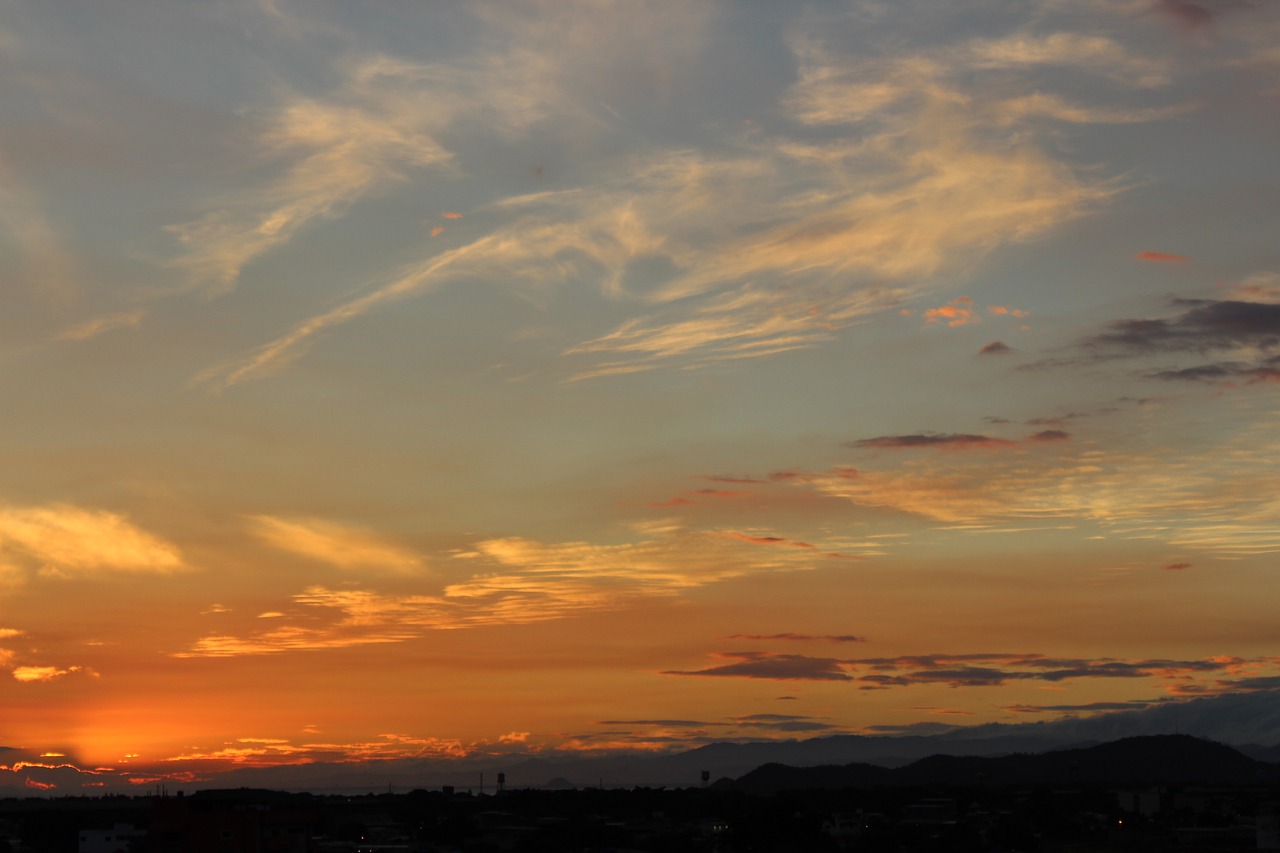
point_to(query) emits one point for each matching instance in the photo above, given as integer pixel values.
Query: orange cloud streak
(1162, 258)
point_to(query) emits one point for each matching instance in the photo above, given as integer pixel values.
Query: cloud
(772, 666)
(802, 638)
(68, 540)
(785, 723)
(1087, 707)
(344, 547)
(1057, 108)
(1200, 325)
(29, 674)
(100, 325)
(1177, 566)
(517, 581)
(48, 265)
(1209, 498)
(1185, 14)
(1094, 54)
(990, 670)
(1048, 435)
(957, 312)
(1162, 258)
(766, 244)
(1230, 372)
(995, 348)
(959, 441)
(369, 135)
(982, 669)
(1248, 328)
(1258, 287)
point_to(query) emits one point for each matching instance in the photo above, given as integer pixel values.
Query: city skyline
(438, 381)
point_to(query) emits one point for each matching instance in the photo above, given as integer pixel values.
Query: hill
(1151, 759)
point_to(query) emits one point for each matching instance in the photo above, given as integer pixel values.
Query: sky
(411, 379)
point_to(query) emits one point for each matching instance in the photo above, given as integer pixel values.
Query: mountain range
(1249, 722)
(1144, 760)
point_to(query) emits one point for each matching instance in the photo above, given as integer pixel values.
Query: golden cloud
(66, 539)
(528, 581)
(345, 547)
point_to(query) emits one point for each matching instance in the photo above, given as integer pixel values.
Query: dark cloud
(1262, 682)
(1199, 326)
(799, 726)
(1134, 705)
(770, 540)
(988, 670)
(964, 676)
(1227, 371)
(741, 481)
(1198, 16)
(995, 348)
(1050, 435)
(784, 723)
(1202, 325)
(1180, 677)
(666, 724)
(948, 440)
(830, 638)
(776, 667)
(1177, 566)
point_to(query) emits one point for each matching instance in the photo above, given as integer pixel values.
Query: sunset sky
(398, 379)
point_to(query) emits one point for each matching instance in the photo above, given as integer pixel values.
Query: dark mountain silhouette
(1151, 759)
(1249, 721)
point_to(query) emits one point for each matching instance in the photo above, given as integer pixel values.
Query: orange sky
(535, 377)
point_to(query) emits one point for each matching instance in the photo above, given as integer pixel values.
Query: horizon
(597, 378)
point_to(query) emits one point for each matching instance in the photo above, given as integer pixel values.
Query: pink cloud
(1162, 258)
(957, 312)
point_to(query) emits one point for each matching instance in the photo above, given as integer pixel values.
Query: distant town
(1155, 793)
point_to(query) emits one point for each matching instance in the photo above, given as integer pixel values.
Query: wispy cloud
(49, 267)
(337, 545)
(100, 325)
(61, 539)
(1095, 54)
(518, 581)
(854, 225)
(359, 142)
(1162, 257)
(1210, 499)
